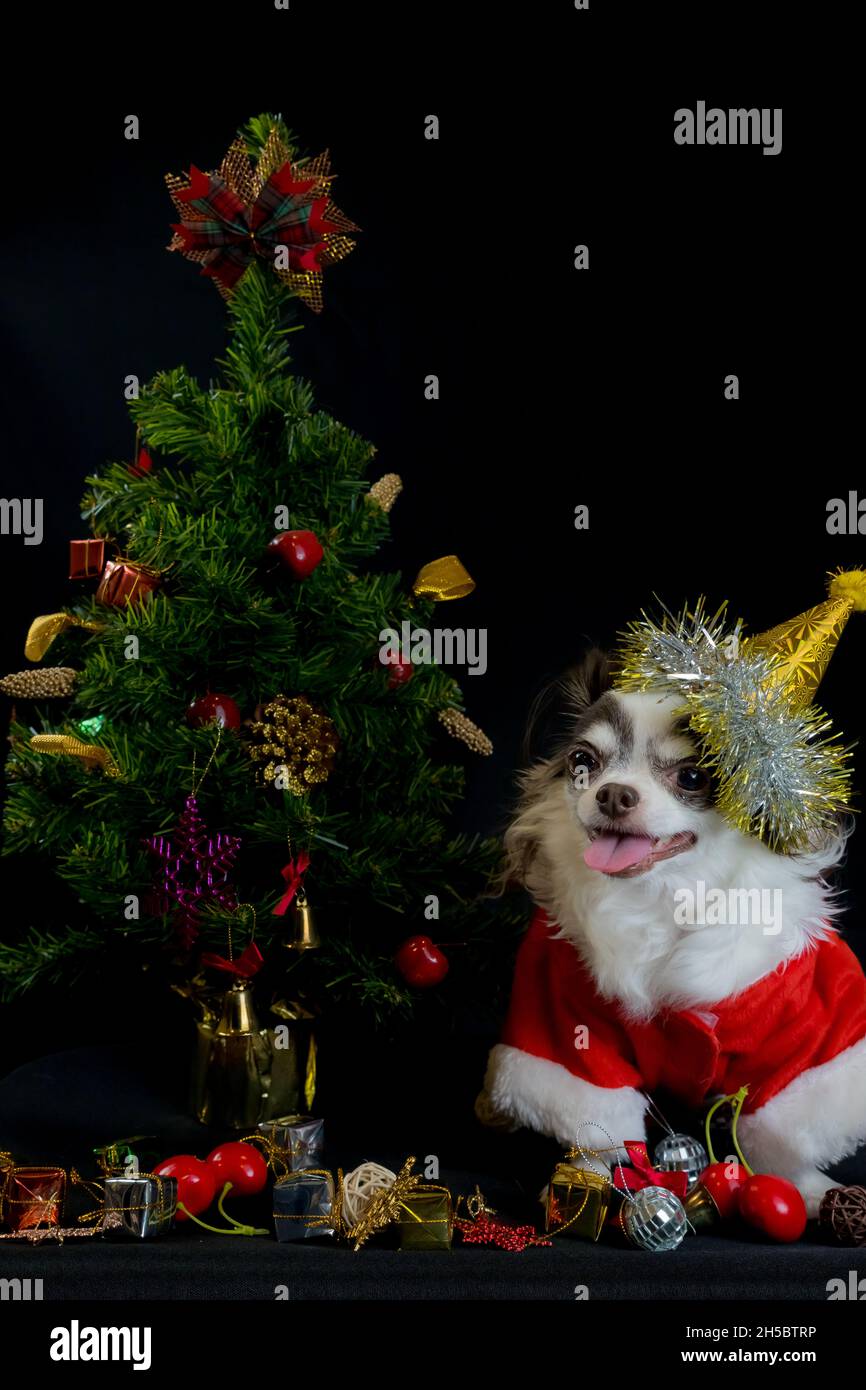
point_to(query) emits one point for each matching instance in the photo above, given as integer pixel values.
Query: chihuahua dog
(669, 949)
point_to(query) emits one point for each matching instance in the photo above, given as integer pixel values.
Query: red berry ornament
(770, 1204)
(723, 1181)
(142, 466)
(421, 963)
(299, 551)
(773, 1205)
(211, 707)
(399, 672)
(196, 1182)
(240, 1164)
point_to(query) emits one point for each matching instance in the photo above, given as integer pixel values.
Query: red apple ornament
(211, 708)
(299, 551)
(240, 1164)
(421, 963)
(196, 1182)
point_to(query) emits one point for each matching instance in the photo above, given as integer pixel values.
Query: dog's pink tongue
(610, 853)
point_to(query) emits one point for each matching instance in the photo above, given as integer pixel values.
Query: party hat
(782, 774)
(803, 645)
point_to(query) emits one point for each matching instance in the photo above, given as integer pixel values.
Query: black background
(557, 387)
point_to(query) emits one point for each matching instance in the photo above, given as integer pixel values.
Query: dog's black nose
(616, 799)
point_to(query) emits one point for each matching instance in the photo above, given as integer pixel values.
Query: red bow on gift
(642, 1173)
(293, 873)
(244, 966)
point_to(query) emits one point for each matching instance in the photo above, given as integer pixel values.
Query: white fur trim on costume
(544, 1096)
(817, 1120)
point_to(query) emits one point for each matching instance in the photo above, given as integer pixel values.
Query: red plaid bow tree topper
(246, 210)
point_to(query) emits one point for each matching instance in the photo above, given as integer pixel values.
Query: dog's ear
(587, 682)
(554, 708)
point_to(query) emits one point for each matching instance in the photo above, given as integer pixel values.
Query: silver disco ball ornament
(679, 1153)
(654, 1219)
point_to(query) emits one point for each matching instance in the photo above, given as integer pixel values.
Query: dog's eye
(691, 779)
(582, 761)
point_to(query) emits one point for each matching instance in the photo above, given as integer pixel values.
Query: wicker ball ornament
(679, 1153)
(843, 1214)
(295, 739)
(360, 1187)
(654, 1219)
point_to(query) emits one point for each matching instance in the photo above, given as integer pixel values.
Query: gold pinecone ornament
(295, 740)
(50, 683)
(386, 491)
(459, 726)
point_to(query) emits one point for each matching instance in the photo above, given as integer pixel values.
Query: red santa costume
(808, 1012)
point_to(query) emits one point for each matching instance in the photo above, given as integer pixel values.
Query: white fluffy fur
(625, 931)
(544, 1096)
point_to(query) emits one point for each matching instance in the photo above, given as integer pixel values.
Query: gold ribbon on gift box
(32, 1208)
(309, 1218)
(586, 1181)
(445, 578)
(436, 1238)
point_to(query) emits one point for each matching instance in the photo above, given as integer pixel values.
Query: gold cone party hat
(805, 644)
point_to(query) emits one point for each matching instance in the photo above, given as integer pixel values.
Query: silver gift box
(146, 1204)
(301, 1138)
(303, 1203)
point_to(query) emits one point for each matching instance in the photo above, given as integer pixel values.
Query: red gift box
(33, 1197)
(86, 558)
(125, 581)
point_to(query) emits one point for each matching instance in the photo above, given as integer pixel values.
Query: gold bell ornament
(304, 935)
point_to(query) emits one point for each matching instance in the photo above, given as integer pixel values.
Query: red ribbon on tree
(293, 873)
(642, 1173)
(244, 966)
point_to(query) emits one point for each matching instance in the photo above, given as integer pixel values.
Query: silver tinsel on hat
(781, 774)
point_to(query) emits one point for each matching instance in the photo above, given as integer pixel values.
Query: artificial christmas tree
(330, 758)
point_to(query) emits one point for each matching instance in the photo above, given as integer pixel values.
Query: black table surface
(57, 1108)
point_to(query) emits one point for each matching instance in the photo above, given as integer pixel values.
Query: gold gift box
(577, 1202)
(426, 1221)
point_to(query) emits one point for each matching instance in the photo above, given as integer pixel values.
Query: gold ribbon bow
(64, 745)
(442, 579)
(44, 630)
(275, 1156)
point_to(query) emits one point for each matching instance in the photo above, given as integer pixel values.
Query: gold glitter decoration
(462, 728)
(64, 745)
(238, 172)
(297, 739)
(386, 491)
(274, 154)
(51, 683)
